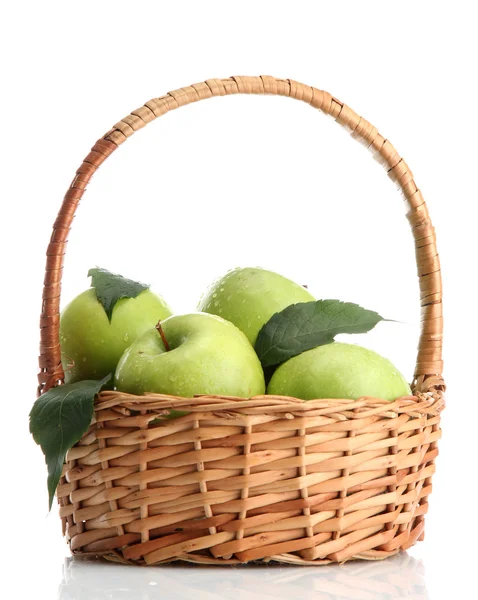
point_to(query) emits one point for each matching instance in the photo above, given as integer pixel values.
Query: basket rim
(232, 406)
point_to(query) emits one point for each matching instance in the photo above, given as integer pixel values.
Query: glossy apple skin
(94, 344)
(338, 371)
(207, 355)
(248, 297)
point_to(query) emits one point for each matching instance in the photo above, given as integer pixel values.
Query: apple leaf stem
(163, 337)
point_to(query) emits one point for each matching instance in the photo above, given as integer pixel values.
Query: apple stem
(163, 337)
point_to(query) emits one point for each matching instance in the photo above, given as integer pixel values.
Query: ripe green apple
(248, 297)
(204, 355)
(338, 370)
(94, 345)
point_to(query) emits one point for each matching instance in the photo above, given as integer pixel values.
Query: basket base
(291, 559)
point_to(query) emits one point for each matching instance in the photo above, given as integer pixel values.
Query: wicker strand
(202, 482)
(143, 486)
(304, 493)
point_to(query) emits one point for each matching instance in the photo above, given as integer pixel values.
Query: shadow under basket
(267, 478)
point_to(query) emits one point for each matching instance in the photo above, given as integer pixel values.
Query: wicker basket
(268, 478)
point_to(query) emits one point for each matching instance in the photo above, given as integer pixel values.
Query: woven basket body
(267, 478)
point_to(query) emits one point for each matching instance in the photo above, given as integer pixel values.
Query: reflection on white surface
(401, 576)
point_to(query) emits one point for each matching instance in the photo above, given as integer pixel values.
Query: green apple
(93, 344)
(204, 355)
(338, 371)
(248, 297)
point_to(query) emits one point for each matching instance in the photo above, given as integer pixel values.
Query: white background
(240, 181)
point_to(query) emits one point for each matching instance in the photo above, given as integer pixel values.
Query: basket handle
(429, 360)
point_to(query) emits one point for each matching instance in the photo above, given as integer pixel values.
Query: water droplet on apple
(84, 359)
(216, 303)
(221, 289)
(126, 337)
(249, 324)
(214, 295)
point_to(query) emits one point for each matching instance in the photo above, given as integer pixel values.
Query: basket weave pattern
(267, 478)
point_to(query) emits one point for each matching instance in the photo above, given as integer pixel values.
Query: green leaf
(110, 288)
(58, 419)
(306, 325)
